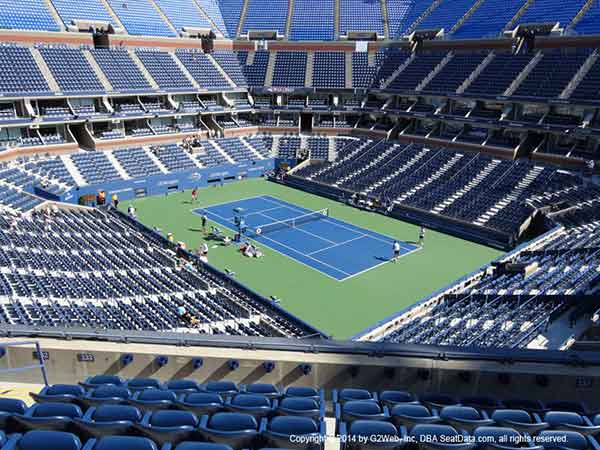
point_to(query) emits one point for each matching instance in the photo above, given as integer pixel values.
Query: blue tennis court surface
(334, 247)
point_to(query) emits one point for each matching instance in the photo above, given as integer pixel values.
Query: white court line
(337, 245)
(278, 202)
(295, 251)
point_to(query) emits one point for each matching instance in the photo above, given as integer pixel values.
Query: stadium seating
(329, 70)
(589, 22)
(369, 19)
(164, 70)
(230, 12)
(256, 72)
(140, 18)
(173, 157)
(183, 14)
(446, 15)
(270, 16)
(203, 70)
(21, 75)
(136, 162)
(403, 13)
(312, 20)
(149, 311)
(232, 66)
(489, 19)
(415, 72)
(550, 12)
(454, 73)
(290, 69)
(95, 167)
(498, 75)
(71, 70)
(120, 70)
(27, 15)
(71, 11)
(551, 75)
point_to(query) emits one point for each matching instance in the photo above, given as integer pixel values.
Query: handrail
(38, 353)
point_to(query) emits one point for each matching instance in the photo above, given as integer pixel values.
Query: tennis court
(336, 248)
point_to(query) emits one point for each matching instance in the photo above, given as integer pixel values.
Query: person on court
(194, 195)
(422, 236)
(396, 248)
(203, 220)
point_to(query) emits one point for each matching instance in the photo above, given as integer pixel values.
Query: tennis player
(396, 248)
(422, 236)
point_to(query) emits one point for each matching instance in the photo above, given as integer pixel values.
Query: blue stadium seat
(440, 437)
(393, 398)
(464, 417)
(45, 416)
(98, 380)
(10, 406)
(409, 415)
(570, 421)
(106, 420)
(153, 399)
(139, 384)
(282, 431)
(255, 404)
(224, 388)
(189, 445)
(564, 440)
(349, 394)
(235, 429)
(182, 386)
(303, 391)
(168, 426)
(107, 393)
(266, 389)
(371, 434)
(201, 403)
(501, 438)
(520, 420)
(44, 440)
(120, 443)
(67, 393)
(360, 410)
(301, 406)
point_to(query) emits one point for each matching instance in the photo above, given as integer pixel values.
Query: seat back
(154, 395)
(233, 422)
(111, 391)
(125, 442)
(12, 405)
(43, 440)
(293, 425)
(65, 389)
(250, 400)
(56, 410)
(110, 413)
(172, 418)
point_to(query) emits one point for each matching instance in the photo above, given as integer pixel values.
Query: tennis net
(287, 223)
